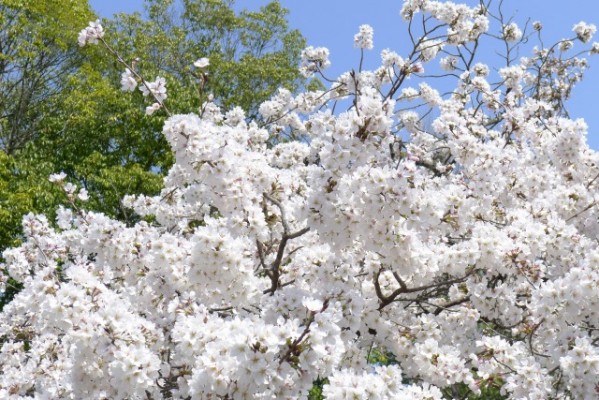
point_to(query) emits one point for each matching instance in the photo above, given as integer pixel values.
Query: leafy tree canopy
(61, 107)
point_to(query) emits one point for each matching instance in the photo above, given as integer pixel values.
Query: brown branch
(530, 335)
(592, 180)
(273, 271)
(446, 306)
(134, 72)
(582, 211)
(294, 347)
(404, 289)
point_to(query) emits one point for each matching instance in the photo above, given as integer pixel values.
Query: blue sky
(333, 23)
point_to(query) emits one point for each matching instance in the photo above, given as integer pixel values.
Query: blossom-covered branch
(452, 231)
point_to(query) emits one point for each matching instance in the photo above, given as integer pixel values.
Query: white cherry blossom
(453, 231)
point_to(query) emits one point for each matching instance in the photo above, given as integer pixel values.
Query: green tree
(104, 140)
(36, 52)
(61, 107)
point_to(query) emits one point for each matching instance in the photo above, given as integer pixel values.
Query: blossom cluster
(584, 31)
(314, 59)
(91, 34)
(364, 38)
(467, 248)
(511, 32)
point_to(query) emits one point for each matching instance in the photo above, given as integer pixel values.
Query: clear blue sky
(333, 23)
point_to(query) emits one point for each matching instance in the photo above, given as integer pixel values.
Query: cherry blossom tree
(288, 252)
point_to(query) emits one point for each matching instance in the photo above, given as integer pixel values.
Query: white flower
(584, 31)
(70, 189)
(128, 81)
(429, 49)
(83, 195)
(202, 63)
(409, 93)
(91, 33)
(416, 68)
(391, 58)
(364, 38)
(64, 217)
(565, 45)
(415, 230)
(409, 118)
(481, 69)
(511, 32)
(59, 177)
(314, 59)
(449, 63)
(313, 305)
(153, 108)
(157, 89)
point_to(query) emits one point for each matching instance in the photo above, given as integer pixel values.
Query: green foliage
(97, 134)
(61, 107)
(381, 357)
(24, 187)
(316, 392)
(38, 48)
(252, 53)
(489, 391)
(12, 288)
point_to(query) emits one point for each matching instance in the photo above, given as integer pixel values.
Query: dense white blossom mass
(467, 249)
